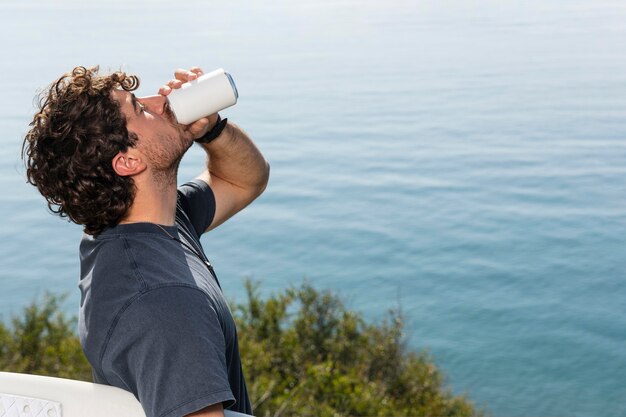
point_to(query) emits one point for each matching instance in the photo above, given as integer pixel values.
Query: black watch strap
(212, 134)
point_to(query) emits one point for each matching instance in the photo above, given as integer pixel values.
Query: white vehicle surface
(23, 395)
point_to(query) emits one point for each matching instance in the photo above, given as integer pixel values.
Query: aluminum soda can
(207, 94)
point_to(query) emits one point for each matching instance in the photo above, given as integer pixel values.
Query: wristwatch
(212, 134)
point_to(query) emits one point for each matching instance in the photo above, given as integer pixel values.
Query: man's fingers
(165, 90)
(185, 75)
(171, 85)
(181, 76)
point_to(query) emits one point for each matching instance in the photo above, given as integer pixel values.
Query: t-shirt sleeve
(168, 349)
(197, 201)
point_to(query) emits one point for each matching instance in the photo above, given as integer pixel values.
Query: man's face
(161, 139)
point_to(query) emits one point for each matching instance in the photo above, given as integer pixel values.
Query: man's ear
(127, 164)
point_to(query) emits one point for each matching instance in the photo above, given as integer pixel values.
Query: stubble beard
(165, 160)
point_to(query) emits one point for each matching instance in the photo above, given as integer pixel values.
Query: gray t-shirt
(153, 319)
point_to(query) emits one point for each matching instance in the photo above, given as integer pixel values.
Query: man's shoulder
(196, 205)
(138, 257)
(107, 255)
(194, 189)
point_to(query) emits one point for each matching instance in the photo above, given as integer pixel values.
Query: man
(153, 319)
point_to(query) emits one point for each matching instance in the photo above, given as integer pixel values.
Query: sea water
(462, 161)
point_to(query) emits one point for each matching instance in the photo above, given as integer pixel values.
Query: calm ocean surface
(463, 160)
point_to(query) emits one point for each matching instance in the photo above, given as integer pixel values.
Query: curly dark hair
(68, 151)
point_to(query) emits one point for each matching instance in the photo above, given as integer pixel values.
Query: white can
(208, 94)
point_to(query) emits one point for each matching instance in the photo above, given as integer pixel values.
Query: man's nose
(156, 104)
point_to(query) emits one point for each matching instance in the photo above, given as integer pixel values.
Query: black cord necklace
(194, 251)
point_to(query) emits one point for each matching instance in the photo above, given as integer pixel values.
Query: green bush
(43, 342)
(303, 353)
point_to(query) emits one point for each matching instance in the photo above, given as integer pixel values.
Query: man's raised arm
(236, 171)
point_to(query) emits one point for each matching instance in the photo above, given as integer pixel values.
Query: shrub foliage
(303, 353)
(42, 342)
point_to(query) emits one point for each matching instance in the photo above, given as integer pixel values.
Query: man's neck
(154, 202)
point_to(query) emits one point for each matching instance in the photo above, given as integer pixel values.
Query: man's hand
(200, 127)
